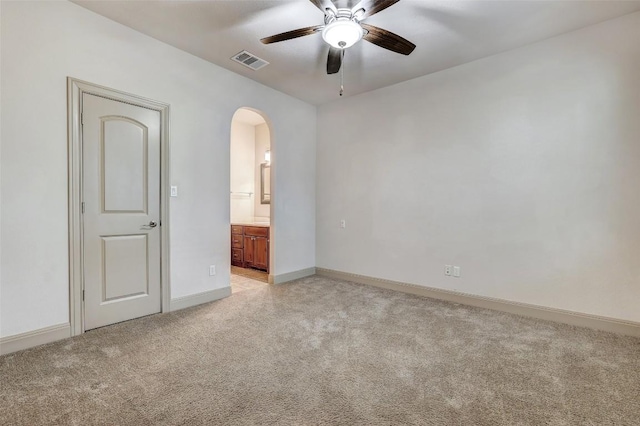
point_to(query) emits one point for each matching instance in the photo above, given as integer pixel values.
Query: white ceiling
(447, 33)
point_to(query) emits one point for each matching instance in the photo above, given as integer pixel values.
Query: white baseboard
(50, 334)
(290, 276)
(614, 325)
(34, 338)
(199, 298)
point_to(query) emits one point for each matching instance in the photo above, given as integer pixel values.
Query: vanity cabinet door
(249, 250)
(260, 253)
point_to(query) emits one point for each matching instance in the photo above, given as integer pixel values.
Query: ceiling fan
(343, 28)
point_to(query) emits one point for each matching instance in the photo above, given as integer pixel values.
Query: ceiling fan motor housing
(342, 29)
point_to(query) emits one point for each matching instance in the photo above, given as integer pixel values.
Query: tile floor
(247, 279)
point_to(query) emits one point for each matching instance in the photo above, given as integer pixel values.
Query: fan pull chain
(342, 73)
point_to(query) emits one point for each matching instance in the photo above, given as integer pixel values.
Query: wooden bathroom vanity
(250, 246)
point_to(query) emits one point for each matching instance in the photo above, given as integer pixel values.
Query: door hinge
(82, 118)
(83, 295)
(83, 207)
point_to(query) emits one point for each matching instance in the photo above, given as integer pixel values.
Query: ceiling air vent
(250, 60)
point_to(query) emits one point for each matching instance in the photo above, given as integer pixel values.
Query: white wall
(243, 158)
(263, 142)
(523, 168)
(44, 42)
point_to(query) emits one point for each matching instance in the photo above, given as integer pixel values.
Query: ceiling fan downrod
(342, 74)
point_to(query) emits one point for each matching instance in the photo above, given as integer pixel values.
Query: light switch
(174, 191)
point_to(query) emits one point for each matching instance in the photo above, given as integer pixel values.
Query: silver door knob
(151, 224)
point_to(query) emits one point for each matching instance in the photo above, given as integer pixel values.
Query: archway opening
(251, 197)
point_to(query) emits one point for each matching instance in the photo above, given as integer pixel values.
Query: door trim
(75, 89)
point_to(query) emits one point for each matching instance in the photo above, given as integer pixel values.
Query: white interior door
(121, 220)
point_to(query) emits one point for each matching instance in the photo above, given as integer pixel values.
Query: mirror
(265, 183)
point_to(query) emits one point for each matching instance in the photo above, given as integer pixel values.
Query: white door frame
(75, 89)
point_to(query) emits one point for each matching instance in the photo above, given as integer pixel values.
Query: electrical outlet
(212, 270)
(447, 270)
(174, 191)
(343, 224)
(456, 271)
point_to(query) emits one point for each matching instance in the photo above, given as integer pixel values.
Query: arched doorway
(250, 204)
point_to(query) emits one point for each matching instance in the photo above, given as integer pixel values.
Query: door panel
(124, 165)
(121, 194)
(125, 267)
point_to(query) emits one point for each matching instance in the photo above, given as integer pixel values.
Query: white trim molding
(199, 298)
(580, 319)
(34, 338)
(75, 89)
(290, 276)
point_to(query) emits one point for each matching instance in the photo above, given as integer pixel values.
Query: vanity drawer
(256, 231)
(237, 256)
(236, 229)
(236, 241)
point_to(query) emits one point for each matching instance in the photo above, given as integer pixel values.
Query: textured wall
(44, 42)
(243, 153)
(522, 168)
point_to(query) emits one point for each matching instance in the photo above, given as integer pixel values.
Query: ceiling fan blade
(372, 7)
(324, 5)
(334, 61)
(388, 40)
(300, 32)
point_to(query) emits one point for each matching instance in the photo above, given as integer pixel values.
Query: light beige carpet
(324, 352)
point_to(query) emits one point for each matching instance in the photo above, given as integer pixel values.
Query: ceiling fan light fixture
(342, 33)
